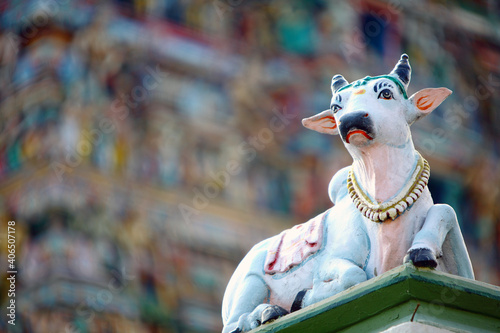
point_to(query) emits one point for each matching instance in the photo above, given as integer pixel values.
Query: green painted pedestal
(405, 299)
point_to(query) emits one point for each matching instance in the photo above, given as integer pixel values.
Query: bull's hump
(337, 188)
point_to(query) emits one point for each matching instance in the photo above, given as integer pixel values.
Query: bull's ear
(323, 122)
(426, 100)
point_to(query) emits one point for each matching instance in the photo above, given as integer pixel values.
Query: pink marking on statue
(294, 245)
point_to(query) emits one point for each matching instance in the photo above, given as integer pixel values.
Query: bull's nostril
(366, 115)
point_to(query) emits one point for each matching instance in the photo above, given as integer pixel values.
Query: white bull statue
(383, 213)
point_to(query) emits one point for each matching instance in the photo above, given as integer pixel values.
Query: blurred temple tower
(145, 146)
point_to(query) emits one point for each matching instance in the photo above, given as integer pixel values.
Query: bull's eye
(385, 94)
(336, 108)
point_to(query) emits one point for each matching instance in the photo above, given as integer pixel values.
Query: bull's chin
(358, 138)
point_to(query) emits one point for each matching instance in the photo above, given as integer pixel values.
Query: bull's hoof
(271, 313)
(423, 258)
(236, 330)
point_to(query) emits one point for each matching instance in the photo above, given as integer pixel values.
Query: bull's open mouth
(356, 128)
(357, 131)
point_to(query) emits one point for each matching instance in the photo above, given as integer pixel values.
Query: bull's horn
(402, 71)
(338, 82)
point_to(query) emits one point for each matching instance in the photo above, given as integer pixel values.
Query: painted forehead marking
(367, 79)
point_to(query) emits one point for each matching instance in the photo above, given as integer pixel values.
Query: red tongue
(358, 132)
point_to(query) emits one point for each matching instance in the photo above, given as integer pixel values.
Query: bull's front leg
(440, 226)
(427, 244)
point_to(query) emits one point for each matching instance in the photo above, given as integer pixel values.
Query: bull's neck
(383, 170)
